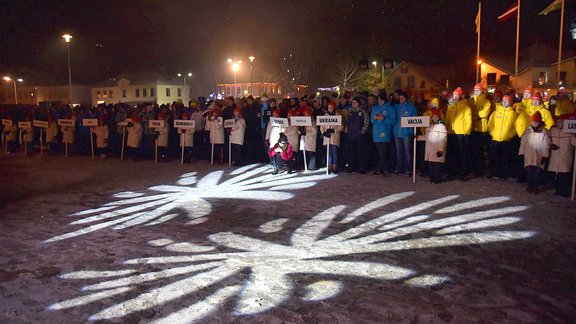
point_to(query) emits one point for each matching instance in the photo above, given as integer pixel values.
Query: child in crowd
(436, 141)
(281, 154)
(102, 134)
(535, 146)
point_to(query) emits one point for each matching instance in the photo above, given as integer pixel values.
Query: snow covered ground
(126, 241)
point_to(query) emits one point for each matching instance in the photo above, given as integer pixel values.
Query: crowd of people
(498, 135)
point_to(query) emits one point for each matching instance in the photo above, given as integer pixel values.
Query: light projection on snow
(189, 197)
(255, 275)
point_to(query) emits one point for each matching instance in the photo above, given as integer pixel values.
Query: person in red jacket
(281, 154)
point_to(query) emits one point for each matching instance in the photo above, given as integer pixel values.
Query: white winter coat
(163, 135)
(310, 138)
(187, 138)
(561, 160)
(12, 132)
(27, 134)
(216, 131)
(134, 135)
(51, 132)
(334, 138)
(293, 137)
(534, 146)
(237, 131)
(102, 134)
(273, 134)
(68, 132)
(436, 139)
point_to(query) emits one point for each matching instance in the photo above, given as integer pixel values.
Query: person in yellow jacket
(479, 139)
(501, 126)
(459, 126)
(563, 103)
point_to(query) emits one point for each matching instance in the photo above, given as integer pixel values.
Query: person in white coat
(435, 148)
(27, 134)
(535, 146)
(102, 134)
(11, 136)
(331, 135)
(273, 131)
(69, 133)
(237, 137)
(134, 139)
(292, 132)
(309, 134)
(52, 135)
(562, 156)
(187, 138)
(216, 125)
(162, 137)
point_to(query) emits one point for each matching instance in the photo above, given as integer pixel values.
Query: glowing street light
(187, 75)
(68, 37)
(6, 78)
(375, 65)
(251, 58)
(235, 68)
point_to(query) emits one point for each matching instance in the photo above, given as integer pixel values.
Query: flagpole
(517, 46)
(560, 45)
(478, 42)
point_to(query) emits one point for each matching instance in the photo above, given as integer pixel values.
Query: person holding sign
(134, 140)
(162, 137)
(403, 136)
(292, 132)
(310, 133)
(102, 134)
(383, 119)
(27, 134)
(69, 132)
(535, 147)
(52, 135)
(216, 126)
(11, 136)
(273, 131)
(562, 156)
(331, 136)
(186, 139)
(435, 149)
(237, 137)
(282, 154)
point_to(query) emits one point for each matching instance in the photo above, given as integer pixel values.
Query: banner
(184, 123)
(90, 122)
(416, 121)
(301, 121)
(331, 120)
(229, 123)
(6, 122)
(66, 122)
(156, 123)
(569, 126)
(40, 123)
(24, 124)
(282, 122)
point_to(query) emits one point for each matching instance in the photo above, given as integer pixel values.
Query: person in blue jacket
(403, 136)
(383, 119)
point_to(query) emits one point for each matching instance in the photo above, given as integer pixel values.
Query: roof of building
(140, 78)
(436, 74)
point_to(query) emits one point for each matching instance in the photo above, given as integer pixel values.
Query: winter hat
(479, 86)
(283, 138)
(434, 102)
(292, 113)
(276, 113)
(162, 115)
(507, 97)
(537, 95)
(264, 98)
(457, 91)
(238, 110)
(528, 89)
(185, 115)
(537, 117)
(436, 112)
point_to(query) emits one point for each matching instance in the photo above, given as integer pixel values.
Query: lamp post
(187, 75)
(479, 71)
(15, 91)
(375, 65)
(235, 68)
(68, 37)
(251, 58)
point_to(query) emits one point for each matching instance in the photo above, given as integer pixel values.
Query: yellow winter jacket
(502, 123)
(524, 115)
(459, 118)
(563, 106)
(481, 108)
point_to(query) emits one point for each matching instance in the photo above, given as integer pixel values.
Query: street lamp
(15, 91)
(235, 68)
(68, 37)
(375, 65)
(251, 58)
(479, 70)
(187, 75)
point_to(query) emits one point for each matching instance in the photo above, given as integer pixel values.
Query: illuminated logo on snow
(188, 197)
(258, 273)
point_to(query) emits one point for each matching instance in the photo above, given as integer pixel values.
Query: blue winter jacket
(382, 129)
(404, 110)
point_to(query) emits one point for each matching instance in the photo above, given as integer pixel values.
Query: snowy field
(124, 241)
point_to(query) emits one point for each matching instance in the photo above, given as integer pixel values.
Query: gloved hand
(183, 131)
(156, 134)
(544, 160)
(330, 130)
(130, 124)
(554, 147)
(327, 134)
(302, 131)
(439, 153)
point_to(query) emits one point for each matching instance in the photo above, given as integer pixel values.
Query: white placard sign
(155, 123)
(301, 121)
(40, 123)
(65, 122)
(416, 121)
(6, 122)
(330, 120)
(90, 122)
(229, 123)
(282, 122)
(569, 126)
(24, 124)
(125, 122)
(184, 123)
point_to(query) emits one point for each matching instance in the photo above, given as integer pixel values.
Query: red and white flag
(509, 13)
(554, 5)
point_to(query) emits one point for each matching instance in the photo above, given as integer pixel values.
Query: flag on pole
(477, 21)
(555, 5)
(509, 13)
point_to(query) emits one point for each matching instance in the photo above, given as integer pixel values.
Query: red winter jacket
(285, 154)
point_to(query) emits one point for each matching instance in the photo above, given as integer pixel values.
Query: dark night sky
(111, 37)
